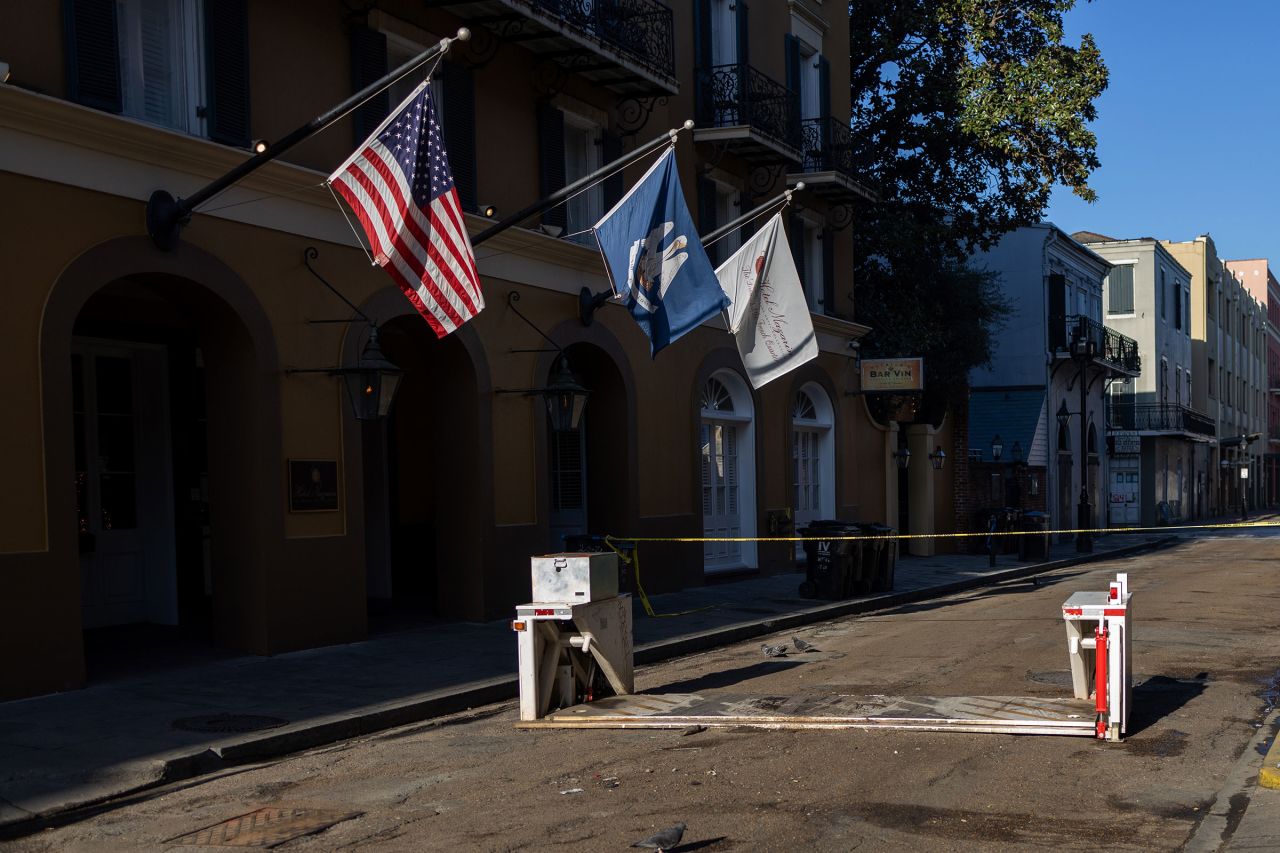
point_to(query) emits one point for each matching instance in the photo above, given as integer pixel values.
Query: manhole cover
(265, 827)
(228, 723)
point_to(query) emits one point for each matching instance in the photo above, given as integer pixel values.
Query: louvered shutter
(368, 64)
(828, 272)
(702, 59)
(746, 202)
(707, 214)
(226, 34)
(744, 41)
(93, 54)
(460, 130)
(791, 54)
(824, 88)
(614, 185)
(551, 159)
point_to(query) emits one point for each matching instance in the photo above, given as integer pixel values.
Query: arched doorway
(1064, 481)
(158, 383)
(422, 482)
(727, 448)
(588, 468)
(812, 457)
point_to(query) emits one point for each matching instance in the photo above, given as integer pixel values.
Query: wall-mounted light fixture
(938, 458)
(489, 211)
(997, 448)
(564, 394)
(260, 146)
(374, 379)
(903, 456)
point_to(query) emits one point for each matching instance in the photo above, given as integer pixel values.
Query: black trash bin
(882, 559)
(590, 543)
(1033, 544)
(832, 564)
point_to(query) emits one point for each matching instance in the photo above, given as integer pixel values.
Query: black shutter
(226, 36)
(828, 272)
(702, 86)
(368, 64)
(702, 57)
(614, 185)
(824, 88)
(707, 214)
(460, 129)
(551, 159)
(744, 42)
(791, 55)
(93, 54)
(795, 237)
(1057, 311)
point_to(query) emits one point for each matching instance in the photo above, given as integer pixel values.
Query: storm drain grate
(265, 827)
(228, 723)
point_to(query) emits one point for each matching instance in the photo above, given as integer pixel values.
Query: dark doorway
(422, 524)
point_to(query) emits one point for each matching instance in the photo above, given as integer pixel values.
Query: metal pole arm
(580, 184)
(729, 227)
(166, 215)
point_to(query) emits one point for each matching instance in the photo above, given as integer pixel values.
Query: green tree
(966, 113)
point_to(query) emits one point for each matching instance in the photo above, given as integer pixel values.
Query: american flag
(401, 188)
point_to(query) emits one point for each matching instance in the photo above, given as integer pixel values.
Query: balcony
(1160, 417)
(1109, 349)
(827, 167)
(751, 114)
(625, 45)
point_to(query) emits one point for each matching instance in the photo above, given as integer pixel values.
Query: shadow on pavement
(727, 677)
(1158, 697)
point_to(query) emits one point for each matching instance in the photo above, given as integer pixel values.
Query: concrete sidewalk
(70, 750)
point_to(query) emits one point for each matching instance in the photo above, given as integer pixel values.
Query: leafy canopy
(966, 113)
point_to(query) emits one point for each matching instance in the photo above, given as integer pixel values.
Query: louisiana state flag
(655, 260)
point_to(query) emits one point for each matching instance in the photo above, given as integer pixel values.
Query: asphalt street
(1206, 654)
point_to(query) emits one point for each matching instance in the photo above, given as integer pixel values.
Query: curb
(1269, 775)
(325, 730)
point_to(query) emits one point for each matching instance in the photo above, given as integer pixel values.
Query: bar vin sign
(892, 374)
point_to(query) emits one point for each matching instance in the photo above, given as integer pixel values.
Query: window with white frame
(399, 51)
(162, 77)
(812, 457)
(1120, 289)
(582, 140)
(727, 442)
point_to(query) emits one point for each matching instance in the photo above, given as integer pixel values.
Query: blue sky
(1189, 127)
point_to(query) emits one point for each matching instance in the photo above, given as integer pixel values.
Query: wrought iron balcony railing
(828, 146)
(1164, 417)
(740, 95)
(642, 30)
(1078, 333)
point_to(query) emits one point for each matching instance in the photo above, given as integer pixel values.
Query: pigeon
(774, 651)
(664, 840)
(801, 645)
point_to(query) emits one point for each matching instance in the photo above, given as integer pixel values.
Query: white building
(1159, 442)
(1056, 354)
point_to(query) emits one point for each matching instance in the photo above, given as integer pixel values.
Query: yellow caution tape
(634, 562)
(1237, 525)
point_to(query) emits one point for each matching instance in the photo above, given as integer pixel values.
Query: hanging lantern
(372, 383)
(565, 397)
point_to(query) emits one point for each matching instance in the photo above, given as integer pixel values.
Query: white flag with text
(769, 315)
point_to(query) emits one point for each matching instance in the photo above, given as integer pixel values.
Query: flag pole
(166, 215)
(729, 227)
(582, 183)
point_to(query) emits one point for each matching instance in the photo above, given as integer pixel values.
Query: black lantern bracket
(564, 394)
(372, 382)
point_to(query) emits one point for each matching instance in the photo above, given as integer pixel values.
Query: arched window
(727, 442)
(812, 456)
(1064, 439)
(1093, 440)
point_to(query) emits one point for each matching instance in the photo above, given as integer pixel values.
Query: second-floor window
(162, 62)
(582, 141)
(1120, 290)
